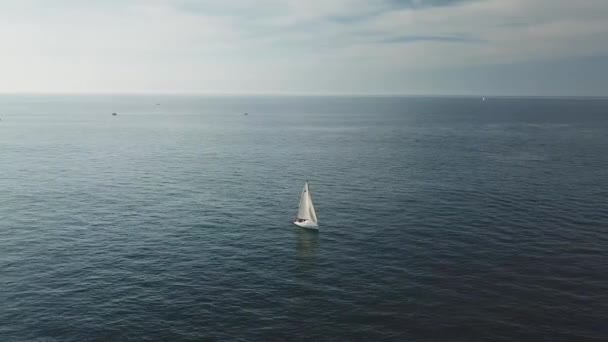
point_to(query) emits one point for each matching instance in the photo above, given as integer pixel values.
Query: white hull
(306, 224)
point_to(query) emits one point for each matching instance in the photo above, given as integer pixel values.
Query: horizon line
(298, 94)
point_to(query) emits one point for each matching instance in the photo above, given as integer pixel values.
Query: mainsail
(306, 210)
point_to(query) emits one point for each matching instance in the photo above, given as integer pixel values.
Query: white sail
(311, 210)
(306, 210)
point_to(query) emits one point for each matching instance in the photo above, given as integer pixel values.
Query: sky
(373, 47)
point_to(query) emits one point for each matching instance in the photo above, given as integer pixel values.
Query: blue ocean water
(441, 219)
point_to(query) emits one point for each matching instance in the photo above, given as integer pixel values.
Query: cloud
(426, 3)
(416, 39)
(271, 45)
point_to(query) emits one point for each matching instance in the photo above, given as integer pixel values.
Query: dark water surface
(442, 219)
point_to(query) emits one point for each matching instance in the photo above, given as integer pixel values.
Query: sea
(441, 218)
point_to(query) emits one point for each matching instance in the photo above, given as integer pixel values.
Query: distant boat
(307, 218)
(483, 99)
(114, 114)
(245, 114)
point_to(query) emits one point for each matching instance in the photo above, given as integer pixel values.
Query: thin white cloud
(275, 45)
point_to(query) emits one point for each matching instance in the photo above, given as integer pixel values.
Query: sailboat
(307, 218)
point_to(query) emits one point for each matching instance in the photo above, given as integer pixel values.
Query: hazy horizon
(195, 94)
(553, 48)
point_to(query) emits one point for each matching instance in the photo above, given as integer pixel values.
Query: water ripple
(441, 220)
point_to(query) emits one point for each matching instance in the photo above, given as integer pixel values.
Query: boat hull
(307, 225)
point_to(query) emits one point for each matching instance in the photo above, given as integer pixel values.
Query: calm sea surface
(441, 219)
